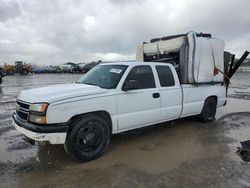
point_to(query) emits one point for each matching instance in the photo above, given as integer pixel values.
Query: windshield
(104, 76)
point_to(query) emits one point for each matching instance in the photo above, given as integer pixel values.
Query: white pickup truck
(111, 98)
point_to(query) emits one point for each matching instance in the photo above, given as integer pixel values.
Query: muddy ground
(184, 153)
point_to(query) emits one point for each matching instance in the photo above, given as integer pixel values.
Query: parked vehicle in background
(81, 65)
(54, 69)
(22, 68)
(89, 66)
(38, 69)
(69, 67)
(75, 69)
(1, 74)
(66, 68)
(9, 69)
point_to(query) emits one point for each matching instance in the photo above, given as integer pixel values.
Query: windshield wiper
(86, 83)
(90, 84)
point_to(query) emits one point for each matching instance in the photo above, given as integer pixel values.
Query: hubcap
(89, 136)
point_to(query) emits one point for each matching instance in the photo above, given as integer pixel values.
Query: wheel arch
(208, 115)
(214, 97)
(102, 113)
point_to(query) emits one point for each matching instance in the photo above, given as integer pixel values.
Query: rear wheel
(209, 110)
(88, 139)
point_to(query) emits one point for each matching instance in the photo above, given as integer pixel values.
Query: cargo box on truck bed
(194, 55)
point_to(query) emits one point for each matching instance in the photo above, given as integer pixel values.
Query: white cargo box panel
(139, 53)
(165, 45)
(218, 47)
(150, 48)
(205, 54)
(171, 44)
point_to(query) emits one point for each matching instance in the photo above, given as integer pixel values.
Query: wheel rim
(89, 136)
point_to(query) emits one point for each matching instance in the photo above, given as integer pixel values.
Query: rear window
(165, 76)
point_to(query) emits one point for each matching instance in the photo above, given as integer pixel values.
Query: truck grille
(22, 110)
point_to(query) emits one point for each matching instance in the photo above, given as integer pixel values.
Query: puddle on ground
(237, 127)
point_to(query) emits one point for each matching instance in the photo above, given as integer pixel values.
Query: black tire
(245, 156)
(209, 110)
(88, 139)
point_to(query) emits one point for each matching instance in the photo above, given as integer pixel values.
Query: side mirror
(130, 85)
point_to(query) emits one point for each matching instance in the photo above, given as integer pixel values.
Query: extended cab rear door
(141, 106)
(170, 92)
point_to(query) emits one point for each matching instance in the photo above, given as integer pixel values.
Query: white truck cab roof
(134, 63)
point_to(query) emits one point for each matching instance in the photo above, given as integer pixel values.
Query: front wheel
(88, 139)
(209, 110)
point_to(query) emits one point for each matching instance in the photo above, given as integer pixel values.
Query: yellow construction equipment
(19, 68)
(9, 69)
(22, 68)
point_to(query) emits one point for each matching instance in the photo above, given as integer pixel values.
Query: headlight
(39, 107)
(37, 113)
(37, 119)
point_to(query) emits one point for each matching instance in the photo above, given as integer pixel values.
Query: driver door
(139, 106)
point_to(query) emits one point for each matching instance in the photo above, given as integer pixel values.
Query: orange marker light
(43, 120)
(44, 107)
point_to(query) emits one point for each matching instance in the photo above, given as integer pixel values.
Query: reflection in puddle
(54, 154)
(237, 128)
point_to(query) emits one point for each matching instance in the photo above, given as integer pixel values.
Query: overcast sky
(54, 32)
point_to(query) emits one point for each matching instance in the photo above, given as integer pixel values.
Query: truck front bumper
(54, 134)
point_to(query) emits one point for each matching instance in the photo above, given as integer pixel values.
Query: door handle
(156, 95)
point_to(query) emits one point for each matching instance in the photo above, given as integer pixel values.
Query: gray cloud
(58, 31)
(9, 10)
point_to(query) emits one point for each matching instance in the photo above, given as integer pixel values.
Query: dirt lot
(184, 153)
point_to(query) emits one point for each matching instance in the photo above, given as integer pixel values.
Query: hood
(59, 92)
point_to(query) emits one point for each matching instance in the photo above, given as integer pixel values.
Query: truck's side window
(143, 75)
(165, 76)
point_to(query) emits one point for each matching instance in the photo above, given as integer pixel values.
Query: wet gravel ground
(184, 153)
